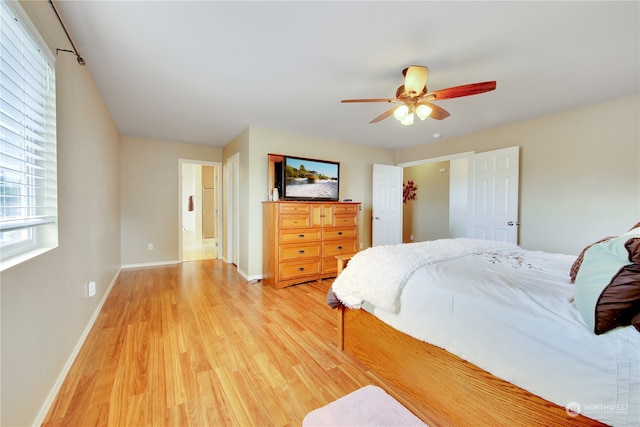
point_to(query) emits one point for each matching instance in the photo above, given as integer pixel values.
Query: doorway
(200, 219)
(479, 191)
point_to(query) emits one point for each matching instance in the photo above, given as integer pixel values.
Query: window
(28, 171)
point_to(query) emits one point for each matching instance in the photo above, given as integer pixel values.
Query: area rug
(368, 406)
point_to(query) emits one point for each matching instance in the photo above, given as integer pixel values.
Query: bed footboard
(440, 387)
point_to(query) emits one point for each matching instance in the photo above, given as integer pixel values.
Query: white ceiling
(203, 71)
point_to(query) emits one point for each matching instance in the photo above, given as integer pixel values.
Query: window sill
(6, 264)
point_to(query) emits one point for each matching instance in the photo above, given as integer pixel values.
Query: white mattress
(512, 315)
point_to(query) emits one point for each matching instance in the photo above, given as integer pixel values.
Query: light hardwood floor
(193, 344)
(206, 249)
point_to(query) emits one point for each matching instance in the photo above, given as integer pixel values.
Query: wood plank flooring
(194, 345)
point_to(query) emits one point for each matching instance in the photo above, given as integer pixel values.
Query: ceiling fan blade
(464, 90)
(383, 115)
(437, 113)
(415, 79)
(370, 100)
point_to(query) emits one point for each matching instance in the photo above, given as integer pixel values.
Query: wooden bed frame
(439, 387)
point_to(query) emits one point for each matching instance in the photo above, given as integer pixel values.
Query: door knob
(511, 223)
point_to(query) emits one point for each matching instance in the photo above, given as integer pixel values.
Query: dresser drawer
(339, 233)
(294, 208)
(299, 269)
(294, 252)
(299, 236)
(345, 209)
(344, 220)
(338, 247)
(329, 265)
(294, 221)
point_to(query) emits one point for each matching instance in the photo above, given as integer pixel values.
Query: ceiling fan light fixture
(415, 80)
(423, 111)
(401, 113)
(407, 121)
(414, 97)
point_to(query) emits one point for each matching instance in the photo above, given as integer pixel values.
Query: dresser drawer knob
(339, 233)
(301, 236)
(301, 269)
(301, 251)
(340, 248)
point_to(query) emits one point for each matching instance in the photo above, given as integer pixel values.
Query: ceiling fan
(415, 99)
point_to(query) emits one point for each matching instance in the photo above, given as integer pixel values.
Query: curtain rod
(74, 51)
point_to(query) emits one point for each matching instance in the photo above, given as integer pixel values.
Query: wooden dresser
(301, 240)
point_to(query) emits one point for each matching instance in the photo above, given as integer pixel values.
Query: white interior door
(233, 209)
(386, 201)
(493, 195)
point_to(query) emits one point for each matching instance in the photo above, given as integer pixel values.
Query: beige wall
(149, 209)
(45, 309)
(427, 217)
(579, 172)
(356, 166)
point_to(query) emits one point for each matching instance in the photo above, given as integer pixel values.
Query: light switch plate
(91, 288)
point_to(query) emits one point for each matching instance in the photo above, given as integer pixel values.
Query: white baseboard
(149, 264)
(67, 366)
(247, 277)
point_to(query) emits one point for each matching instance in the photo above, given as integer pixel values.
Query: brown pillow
(633, 247)
(619, 302)
(573, 272)
(635, 226)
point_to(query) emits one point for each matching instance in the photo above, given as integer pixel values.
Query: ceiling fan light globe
(423, 111)
(407, 121)
(415, 80)
(401, 113)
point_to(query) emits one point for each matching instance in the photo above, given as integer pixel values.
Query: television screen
(310, 179)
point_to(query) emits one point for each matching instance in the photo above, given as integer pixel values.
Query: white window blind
(28, 171)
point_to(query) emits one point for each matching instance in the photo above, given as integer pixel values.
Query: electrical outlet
(150, 246)
(91, 288)
(361, 245)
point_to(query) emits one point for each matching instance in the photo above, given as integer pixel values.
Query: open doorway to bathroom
(200, 219)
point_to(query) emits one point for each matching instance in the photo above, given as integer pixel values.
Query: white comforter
(379, 274)
(510, 312)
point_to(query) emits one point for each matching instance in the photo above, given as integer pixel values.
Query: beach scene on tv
(311, 179)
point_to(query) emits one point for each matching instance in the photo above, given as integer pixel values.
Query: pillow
(635, 226)
(633, 247)
(607, 293)
(573, 272)
(619, 302)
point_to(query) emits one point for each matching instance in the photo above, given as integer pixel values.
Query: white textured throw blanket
(378, 274)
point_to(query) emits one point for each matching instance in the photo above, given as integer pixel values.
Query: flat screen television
(310, 179)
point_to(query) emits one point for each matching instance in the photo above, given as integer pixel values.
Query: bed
(486, 333)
